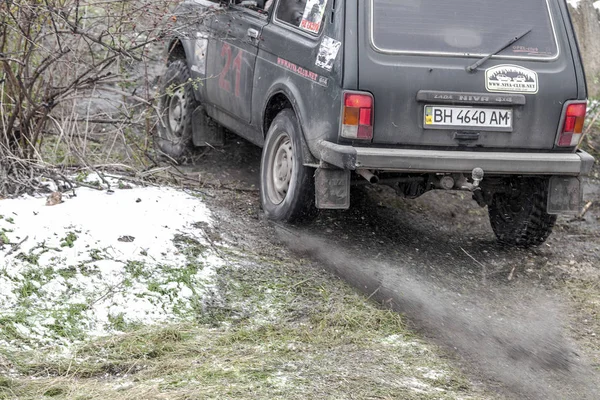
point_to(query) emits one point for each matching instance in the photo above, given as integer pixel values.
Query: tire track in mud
(511, 337)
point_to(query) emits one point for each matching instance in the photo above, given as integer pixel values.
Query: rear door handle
(253, 33)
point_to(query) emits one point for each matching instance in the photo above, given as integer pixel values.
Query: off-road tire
(518, 216)
(282, 162)
(176, 106)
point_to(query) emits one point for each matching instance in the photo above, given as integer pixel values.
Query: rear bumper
(421, 161)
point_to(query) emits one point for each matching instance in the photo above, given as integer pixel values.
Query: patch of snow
(431, 374)
(280, 379)
(124, 386)
(72, 271)
(417, 385)
(400, 341)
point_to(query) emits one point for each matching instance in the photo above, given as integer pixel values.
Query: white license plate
(444, 117)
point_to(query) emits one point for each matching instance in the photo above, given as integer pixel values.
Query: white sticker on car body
(327, 53)
(509, 78)
(199, 64)
(313, 15)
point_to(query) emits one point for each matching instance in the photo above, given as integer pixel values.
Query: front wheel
(286, 185)
(518, 216)
(176, 106)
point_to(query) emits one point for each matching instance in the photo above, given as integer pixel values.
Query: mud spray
(516, 345)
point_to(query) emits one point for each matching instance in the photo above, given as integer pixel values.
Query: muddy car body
(416, 95)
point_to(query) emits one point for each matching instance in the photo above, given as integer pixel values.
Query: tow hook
(477, 176)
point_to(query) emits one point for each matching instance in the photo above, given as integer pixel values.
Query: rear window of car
(463, 27)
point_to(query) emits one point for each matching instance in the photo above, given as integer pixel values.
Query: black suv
(487, 97)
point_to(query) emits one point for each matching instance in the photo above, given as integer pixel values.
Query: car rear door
(413, 58)
(233, 47)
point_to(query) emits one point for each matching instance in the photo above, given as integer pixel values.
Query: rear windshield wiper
(476, 65)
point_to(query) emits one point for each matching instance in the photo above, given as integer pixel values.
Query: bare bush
(76, 80)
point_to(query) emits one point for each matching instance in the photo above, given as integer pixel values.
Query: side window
(254, 5)
(304, 14)
(291, 11)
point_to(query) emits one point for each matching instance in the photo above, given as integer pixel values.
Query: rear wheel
(176, 106)
(287, 186)
(518, 216)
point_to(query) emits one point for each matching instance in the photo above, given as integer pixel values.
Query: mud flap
(206, 132)
(565, 195)
(332, 188)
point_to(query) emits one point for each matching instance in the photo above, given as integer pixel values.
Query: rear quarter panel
(287, 64)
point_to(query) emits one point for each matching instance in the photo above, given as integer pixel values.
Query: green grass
(189, 246)
(8, 322)
(136, 269)
(69, 240)
(30, 257)
(3, 238)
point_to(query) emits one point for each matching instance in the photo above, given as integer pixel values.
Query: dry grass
(281, 330)
(585, 325)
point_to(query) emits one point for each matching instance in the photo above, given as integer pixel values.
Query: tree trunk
(587, 25)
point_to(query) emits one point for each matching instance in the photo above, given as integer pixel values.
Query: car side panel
(350, 45)
(232, 60)
(193, 27)
(286, 64)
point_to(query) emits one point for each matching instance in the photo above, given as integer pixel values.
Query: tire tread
(532, 226)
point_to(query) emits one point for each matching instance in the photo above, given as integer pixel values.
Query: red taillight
(357, 116)
(572, 130)
(365, 117)
(358, 100)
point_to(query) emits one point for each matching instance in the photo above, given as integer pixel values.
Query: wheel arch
(279, 98)
(178, 49)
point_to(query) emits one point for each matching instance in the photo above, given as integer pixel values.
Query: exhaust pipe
(368, 175)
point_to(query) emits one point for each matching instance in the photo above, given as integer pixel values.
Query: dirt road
(524, 322)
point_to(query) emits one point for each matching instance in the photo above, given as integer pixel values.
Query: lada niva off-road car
(482, 96)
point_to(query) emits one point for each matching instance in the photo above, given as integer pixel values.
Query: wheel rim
(175, 112)
(280, 170)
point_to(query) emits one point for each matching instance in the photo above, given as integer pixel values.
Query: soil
(523, 322)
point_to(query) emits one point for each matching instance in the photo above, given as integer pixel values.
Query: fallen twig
(301, 282)
(374, 293)
(585, 209)
(16, 246)
(483, 267)
(512, 273)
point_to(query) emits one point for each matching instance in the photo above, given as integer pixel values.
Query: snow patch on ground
(401, 341)
(101, 262)
(419, 386)
(432, 374)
